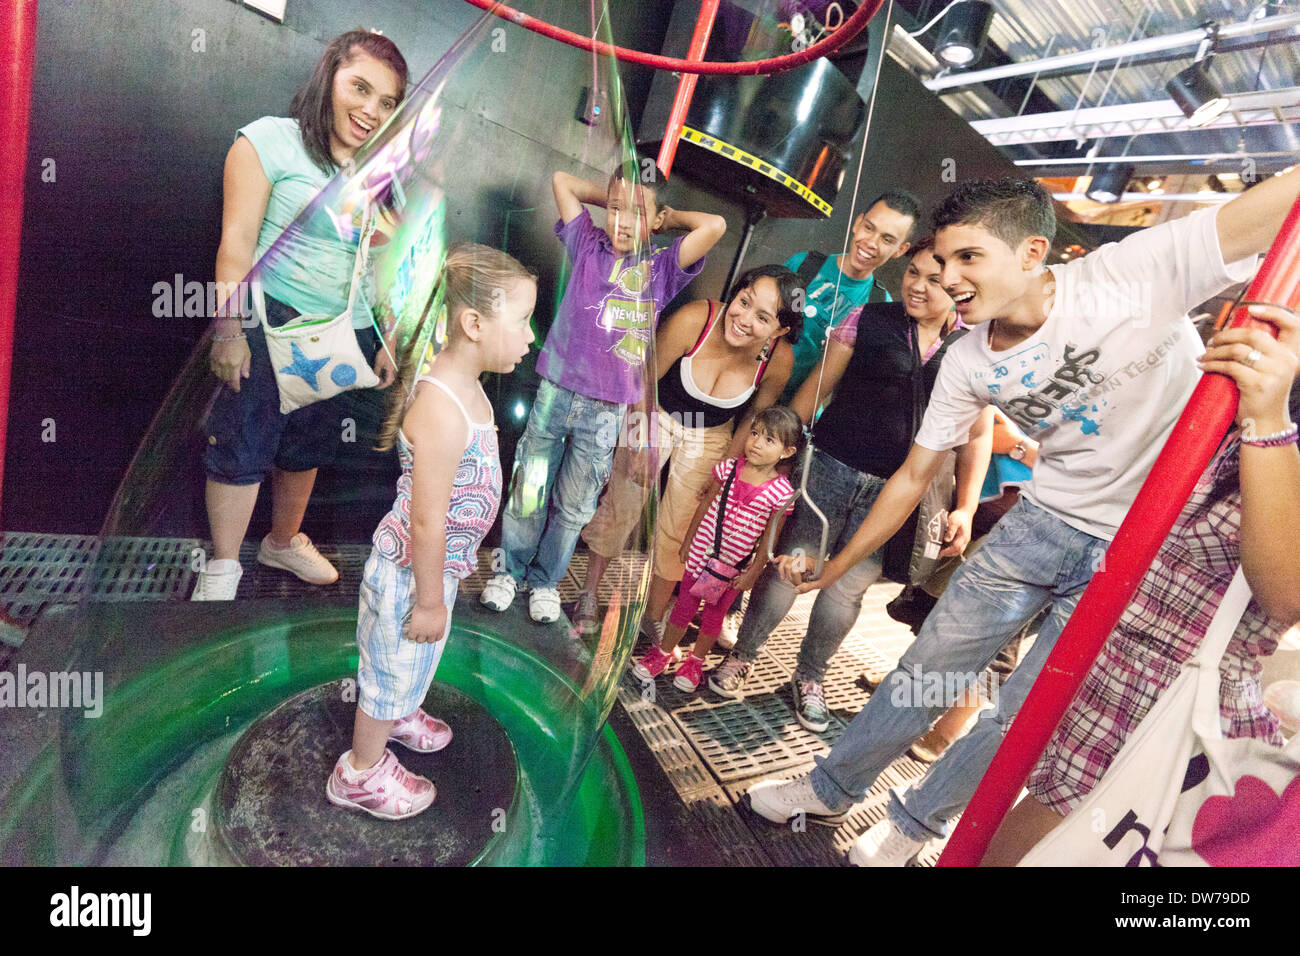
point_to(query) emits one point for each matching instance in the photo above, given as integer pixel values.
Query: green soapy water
(135, 786)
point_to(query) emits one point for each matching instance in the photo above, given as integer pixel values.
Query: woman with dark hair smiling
(715, 361)
(276, 166)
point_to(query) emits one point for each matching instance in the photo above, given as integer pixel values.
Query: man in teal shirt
(846, 281)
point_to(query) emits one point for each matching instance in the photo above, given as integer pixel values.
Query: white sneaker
(780, 800)
(544, 605)
(730, 631)
(884, 845)
(300, 559)
(499, 592)
(218, 581)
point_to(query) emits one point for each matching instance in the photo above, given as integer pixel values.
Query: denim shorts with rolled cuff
(247, 434)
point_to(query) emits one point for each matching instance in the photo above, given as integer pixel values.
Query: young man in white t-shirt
(1094, 359)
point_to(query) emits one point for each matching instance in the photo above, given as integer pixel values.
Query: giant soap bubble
(216, 716)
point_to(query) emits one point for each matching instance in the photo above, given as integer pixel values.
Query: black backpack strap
(722, 510)
(811, 265)
(877, 293)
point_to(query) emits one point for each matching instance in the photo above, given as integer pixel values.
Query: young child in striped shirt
(759, 499)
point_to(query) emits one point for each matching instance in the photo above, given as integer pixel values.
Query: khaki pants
(691, 454)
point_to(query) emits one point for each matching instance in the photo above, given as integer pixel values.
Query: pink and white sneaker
(421, 733)
(387, 790)
(651, 664)
(689, 674)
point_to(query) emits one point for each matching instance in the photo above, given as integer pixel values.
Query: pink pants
(687, 604)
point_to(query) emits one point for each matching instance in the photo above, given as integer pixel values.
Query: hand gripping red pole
(1195, 437)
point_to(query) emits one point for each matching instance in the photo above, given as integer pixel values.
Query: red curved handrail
(1191, 445)
(847, 31)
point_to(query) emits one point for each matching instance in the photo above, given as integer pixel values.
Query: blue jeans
(561, 464)
(1029, 560)
(844, 495)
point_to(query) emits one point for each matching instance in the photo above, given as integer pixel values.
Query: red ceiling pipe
(850, 28)
(17, 54)
(1191, 445)
(686, 86)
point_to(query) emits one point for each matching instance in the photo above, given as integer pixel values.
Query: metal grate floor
(38, 570)
(714, 749)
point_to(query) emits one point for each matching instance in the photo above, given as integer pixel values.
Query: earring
(767, 352)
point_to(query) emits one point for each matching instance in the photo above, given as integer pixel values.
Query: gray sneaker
(586, 613)
(728, 678)
(810, 705)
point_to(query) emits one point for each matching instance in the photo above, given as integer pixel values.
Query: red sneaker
(689, 674)
(651, 664)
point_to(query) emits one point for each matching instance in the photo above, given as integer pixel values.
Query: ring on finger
(1254, 356)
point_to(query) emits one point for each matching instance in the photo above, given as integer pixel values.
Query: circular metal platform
(270, 807)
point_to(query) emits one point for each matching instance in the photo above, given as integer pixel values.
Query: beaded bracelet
(1288, 436)
(229, 338)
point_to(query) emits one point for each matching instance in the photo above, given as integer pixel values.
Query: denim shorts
(247, 434)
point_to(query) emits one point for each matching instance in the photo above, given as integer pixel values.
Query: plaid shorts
(1158, 633)
(394, 674)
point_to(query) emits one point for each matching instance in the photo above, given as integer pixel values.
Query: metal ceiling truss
(1068, 62)
(1262, 108)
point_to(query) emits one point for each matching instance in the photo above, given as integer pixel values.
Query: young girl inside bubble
(447, 499)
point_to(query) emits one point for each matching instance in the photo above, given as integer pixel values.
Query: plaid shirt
(1159, 631)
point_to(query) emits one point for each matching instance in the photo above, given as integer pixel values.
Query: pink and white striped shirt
(749, 507)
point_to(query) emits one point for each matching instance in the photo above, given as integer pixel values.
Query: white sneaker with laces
(499, 592)
(218, 581)
(884, 845)
(730, 631)
(544, 605)
(300, 559)
(780, 800)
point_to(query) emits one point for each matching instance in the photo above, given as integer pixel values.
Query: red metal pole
(1190, 447)
(686, 86)
(17, 54)
(851, 27)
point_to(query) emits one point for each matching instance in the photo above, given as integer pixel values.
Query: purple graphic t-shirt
(597, 344)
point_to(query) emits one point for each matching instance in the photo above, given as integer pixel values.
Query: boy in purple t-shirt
(592, 369)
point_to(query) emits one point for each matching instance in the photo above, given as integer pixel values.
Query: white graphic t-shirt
(1102, 382)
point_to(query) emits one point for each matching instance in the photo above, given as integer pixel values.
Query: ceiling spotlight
(1198, 96)
(1108, 185)
(962, 33)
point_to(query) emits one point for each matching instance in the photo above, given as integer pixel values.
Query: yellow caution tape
(716, 145)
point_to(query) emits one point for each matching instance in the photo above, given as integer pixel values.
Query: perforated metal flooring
(714, 749)
(39, 570)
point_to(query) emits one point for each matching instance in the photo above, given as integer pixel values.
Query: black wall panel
(138, 123)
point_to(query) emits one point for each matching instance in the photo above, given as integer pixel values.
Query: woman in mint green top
(276, 166)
